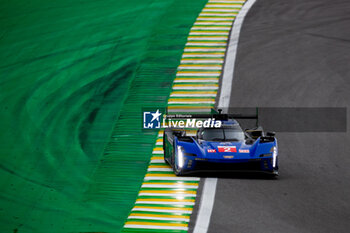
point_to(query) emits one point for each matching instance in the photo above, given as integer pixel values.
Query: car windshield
(223, 134)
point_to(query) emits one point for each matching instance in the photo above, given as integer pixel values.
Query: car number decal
(227, 149)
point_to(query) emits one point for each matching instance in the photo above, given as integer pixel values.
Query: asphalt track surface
(292, 54)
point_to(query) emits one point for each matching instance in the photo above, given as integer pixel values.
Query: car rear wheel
(165, 150)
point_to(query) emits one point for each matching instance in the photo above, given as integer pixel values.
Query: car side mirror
(270, 134)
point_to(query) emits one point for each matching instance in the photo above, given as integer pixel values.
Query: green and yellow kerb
(165, 201)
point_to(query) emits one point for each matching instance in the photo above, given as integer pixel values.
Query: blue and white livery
(228, 148)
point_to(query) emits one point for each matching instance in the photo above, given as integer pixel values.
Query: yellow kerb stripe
(202, 53)
(190, 107)
(160, 175)
(224, 4)
(157, 157)
(196, 85)
(158, 149)
(156, 224)
(160, 215)
(158, 166)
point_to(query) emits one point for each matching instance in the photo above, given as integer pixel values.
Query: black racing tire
(166, 161)
(172, 158)
(272, 175)
(178, 172)
(275, 173)
(165, 151)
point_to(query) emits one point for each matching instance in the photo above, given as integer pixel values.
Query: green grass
(68, 70)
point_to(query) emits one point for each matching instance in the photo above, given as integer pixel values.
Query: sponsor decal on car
(228, 156)
(211, 151)
(243, 151)
(201, 159)
(227, 148)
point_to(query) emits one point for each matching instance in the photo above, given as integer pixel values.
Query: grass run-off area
(66, 69)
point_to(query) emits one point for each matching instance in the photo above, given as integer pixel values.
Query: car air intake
(185, 139)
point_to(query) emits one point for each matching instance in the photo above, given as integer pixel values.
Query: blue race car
(228, 148)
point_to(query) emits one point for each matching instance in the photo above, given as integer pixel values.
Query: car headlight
(180, 156)
(274, 156)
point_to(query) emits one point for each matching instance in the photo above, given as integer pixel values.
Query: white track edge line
(206, 205)
(230, 59)
(209, 189)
